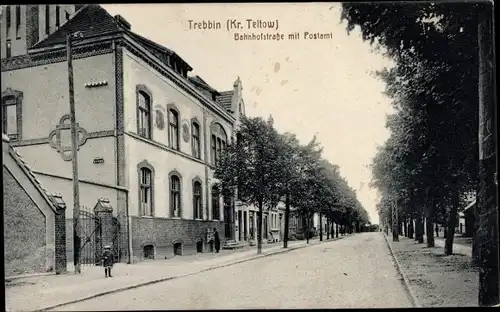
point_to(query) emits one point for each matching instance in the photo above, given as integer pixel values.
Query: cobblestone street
(354, 272)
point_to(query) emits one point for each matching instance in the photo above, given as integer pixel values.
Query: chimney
(123, 22)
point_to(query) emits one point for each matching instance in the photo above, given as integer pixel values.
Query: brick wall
(60, 241)
(163, 233)
(24, 231)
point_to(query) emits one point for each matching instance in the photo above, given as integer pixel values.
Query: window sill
(176, 218)
(198, 219)
(147, 217)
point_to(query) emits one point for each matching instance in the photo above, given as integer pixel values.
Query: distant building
(25, 25)
(149, 134)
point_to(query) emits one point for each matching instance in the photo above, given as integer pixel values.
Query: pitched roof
(225, 99)
(91, 19)
(53, 199)
(198, 81)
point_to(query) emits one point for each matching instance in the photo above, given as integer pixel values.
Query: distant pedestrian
(107, 260)
(216, 240)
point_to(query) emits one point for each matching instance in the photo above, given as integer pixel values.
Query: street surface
(354, 272)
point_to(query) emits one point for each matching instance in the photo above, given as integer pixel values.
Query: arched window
(173, 129)
(197, 205)
(215, 203)
(12, 113)
(218, 142)
(143, 113)
(175, 196)
(196, 142)
(145, 192)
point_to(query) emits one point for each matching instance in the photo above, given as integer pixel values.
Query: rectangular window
(143, 122)
(10, 120)
(173, 125)
(58, 16)
(7, 16)
(18, 21)
(175, 196)
(8, 49)
(196, 141)
(47, 19)
(146, 194)
(213, 150)
(67, 16)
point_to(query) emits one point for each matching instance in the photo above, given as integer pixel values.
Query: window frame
(175, 174)
(216, 198)
(17, 100)
(197, 199)
(144, 167)
(171, 115)
(143, 91)
(218, 141)
(195, 139)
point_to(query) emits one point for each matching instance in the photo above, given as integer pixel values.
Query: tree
(250, 163)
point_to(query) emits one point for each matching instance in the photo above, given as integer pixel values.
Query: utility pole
(487, 204)
(74, 154)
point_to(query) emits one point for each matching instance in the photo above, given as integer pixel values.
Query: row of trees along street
(263, 168)
(443, 129)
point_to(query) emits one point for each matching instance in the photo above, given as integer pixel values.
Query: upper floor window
(58, 16)
(173, 129)
(8, 48)
(7, 16)
(47, 19)
(197, 205)
(175, 196)
(12, 113)
(146, 191)
(215, 203)
(18, 20)
(144, 114)
(196, 142)
(218, 142)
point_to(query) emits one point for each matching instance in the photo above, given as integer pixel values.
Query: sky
(324, 87)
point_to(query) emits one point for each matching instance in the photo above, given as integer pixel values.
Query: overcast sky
(325, 87)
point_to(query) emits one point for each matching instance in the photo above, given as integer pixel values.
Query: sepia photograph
(200, 156)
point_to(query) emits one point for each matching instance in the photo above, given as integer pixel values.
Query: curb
(412, 296)
(109, 292)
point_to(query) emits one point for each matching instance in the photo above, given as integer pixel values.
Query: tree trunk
(451, 222)
(307, 230)
(320, 228)
(287, 220)
(419, 235)
(336, 229)
(410, 228)
(475, 238)
(405, 228)
(488, 189)
(259, 227)
(430, 232)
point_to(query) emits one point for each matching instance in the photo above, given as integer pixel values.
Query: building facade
(149, 134)
(22, 26)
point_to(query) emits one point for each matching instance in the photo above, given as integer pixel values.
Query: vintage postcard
(249, 155)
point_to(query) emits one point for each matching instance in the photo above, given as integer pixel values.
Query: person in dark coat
(107, 260)
(216, 240)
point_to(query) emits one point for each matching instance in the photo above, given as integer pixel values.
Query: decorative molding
(57, 56)
(90, 135)
(96, 84)
(55, 138)
(186, 132)
(166, 148)
(159, 119)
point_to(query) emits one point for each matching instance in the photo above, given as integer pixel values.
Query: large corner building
(149, 133)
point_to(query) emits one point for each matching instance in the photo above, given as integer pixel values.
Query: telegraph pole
(488, 188)
(74, 155)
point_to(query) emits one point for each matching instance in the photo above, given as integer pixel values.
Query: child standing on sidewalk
(107, 260)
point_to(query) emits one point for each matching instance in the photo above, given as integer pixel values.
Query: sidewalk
(461, 245)
(45, 292)
(435, 280)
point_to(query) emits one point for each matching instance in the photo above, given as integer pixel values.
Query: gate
(91, 234)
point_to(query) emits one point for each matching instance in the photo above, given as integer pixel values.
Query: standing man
(216, 240)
